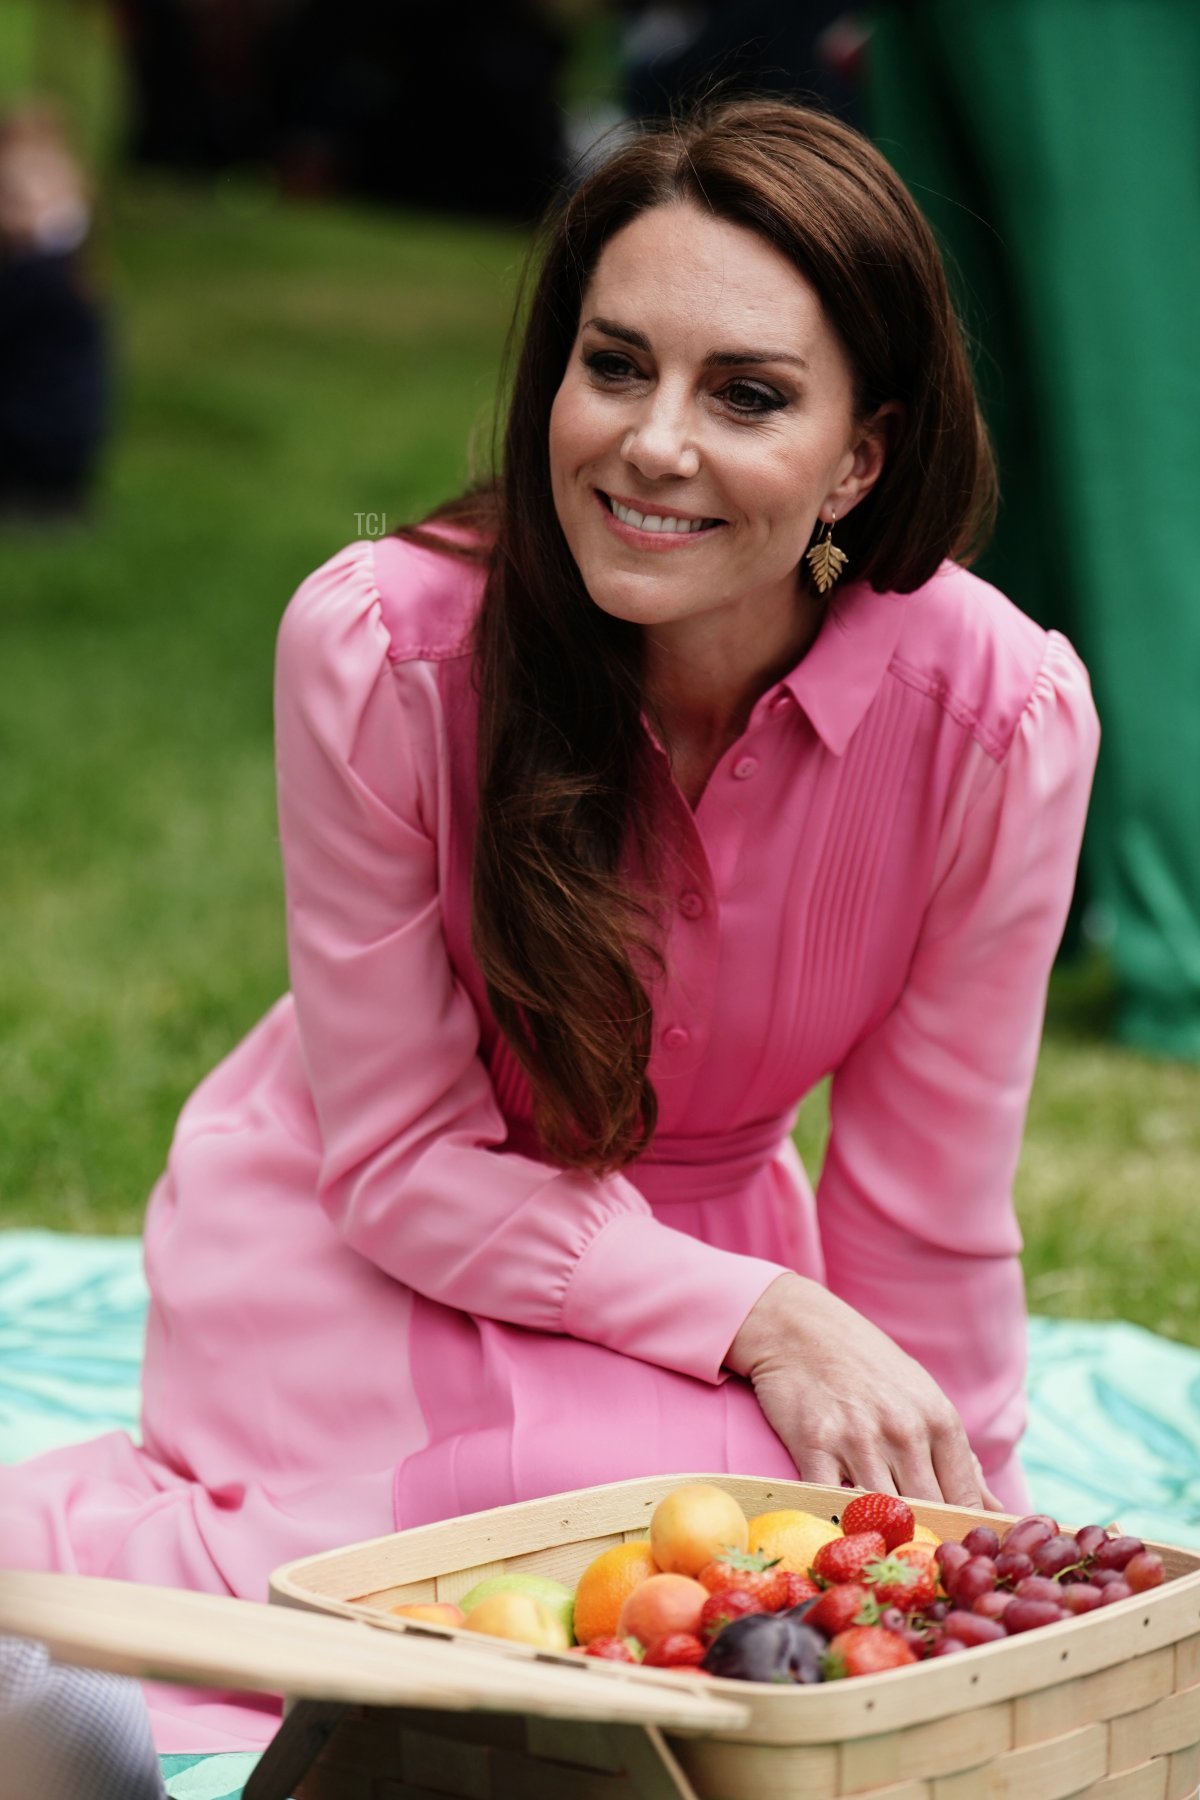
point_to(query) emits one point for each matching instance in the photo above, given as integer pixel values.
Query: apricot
(433, 1612)
(662, 1604)
(692, 1525)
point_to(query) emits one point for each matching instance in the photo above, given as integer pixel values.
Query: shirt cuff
(658, 1294)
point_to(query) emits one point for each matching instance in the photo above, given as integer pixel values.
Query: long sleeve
(415, 1174)
(928, 1110)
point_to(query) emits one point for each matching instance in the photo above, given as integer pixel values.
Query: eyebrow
(716, 359)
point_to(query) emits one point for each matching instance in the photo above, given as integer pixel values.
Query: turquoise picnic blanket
(1114, 1428)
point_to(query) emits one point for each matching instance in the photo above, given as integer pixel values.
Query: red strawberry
(614, 1649)
(750, 1572)
(840, 1607)
(796, 1587)
(865, 1650)
(887, 1514)
(845, 1558)
(904, 1579)
(719, 1609)
(678, 1650)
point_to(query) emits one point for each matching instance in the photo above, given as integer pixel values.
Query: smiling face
(704, 422)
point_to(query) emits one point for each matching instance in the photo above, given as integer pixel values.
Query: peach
(433, 1612)
(662, 1604)
(520, 1617)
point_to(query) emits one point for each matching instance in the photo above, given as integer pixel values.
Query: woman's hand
(849, 1403)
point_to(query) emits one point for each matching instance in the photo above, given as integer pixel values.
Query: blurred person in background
(54, 354)
(1056, 147)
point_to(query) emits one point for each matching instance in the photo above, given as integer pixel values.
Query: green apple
(553, 1594)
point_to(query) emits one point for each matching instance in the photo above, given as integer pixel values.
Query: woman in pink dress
(609, 830)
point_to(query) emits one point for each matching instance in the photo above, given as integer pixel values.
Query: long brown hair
(564, 938)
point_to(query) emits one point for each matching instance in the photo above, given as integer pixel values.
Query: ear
(863, 462)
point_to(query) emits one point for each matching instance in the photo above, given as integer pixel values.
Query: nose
(659, 443)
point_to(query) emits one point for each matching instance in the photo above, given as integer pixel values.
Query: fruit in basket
(551, 1594)
(1116, 1552)
(750, 1573)
(908, 1578)
(723, 1608)
(1145, 1570)
(766, 1647)
(606, 1584)
(431, 1612)
(520, 1617)
(755, 1618)
(849, 1603)
(678, 1650)
(660, 1605)
(797, 1588)
(887, 1514)
(694, 1524)
(865, 1650)
(613, 1649)
(844, 1559)
(791, 1537)
(1030, 1531)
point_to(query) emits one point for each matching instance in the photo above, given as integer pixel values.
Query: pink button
(779, 702)
(675, 1037)
(745, 768)
(691, 904)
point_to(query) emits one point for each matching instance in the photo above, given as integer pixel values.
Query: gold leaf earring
(825, 559)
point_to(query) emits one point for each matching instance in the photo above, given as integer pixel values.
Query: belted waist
(695, 1165)
(708, 1165)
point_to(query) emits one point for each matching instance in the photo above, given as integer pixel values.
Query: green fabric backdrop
(1055, 144)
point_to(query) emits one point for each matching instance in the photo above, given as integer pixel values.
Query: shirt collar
(841, 674)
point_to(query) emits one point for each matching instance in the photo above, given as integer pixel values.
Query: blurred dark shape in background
(810, 49)
(407, 101)
(55, 382)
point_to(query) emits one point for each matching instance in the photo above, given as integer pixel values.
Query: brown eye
(609, 365)
(751, 397)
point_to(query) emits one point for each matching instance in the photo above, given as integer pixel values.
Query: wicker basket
(1105, 1706)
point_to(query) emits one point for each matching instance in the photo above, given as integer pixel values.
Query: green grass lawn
(285, 370)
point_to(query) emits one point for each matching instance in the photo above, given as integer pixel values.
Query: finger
(820, 1468)
(915, 1477)
(870, 1471)
(954, 1467)
(990, 1501)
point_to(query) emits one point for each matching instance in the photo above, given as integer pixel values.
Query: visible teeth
(656, 521)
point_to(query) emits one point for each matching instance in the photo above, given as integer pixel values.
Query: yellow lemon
(793, 1536)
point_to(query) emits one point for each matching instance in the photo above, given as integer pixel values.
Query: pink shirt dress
(373, 1304)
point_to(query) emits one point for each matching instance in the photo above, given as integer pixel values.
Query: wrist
(760, 1328)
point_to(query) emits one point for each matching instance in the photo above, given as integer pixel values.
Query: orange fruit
(692, 1525)
(792, 1536)
(606, 1584)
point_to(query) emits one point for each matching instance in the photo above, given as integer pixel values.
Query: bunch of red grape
(1034, 1575)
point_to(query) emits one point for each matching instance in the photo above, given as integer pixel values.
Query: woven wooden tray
(1105, 1706)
